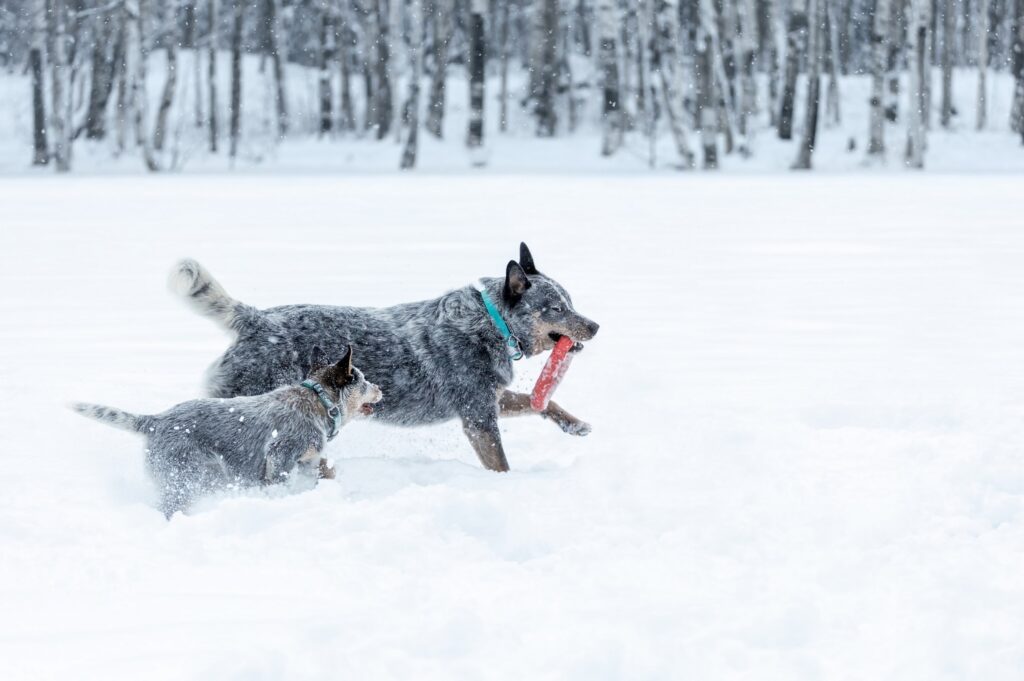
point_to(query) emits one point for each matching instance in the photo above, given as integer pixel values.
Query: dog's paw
(577, 428)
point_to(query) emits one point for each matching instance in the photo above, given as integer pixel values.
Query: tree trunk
(879, 57)
(236, 78)
(796, 39)
(383, 112)
(170, 85)
(327, 51)
(547, 36)
(981, 117)
(1017, 68)
(506, 55)
(918, 97)
(772, 40)
(608, 65)
(477, 56)
(747, 16)
(442, 36)
(347, 118)
(897, 40)
(948, 38)
(275, 30)
(102, 81)
(666, 59)
(212, 75)
(412, 106)
(60, 87)
(814, 50)
(41, 153)
(831, 40)
(705, 78)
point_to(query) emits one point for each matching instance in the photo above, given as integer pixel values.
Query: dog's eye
(555, 308)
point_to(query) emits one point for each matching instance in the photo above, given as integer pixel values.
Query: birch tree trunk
(236, 78)
(831, 49)
(706, 118)
(327, 51)
(442, 36)
(747, 17)
(506, 55)
(212, 74)
(879, 59)
(170, 85)
(608, 65)
(477, 56)
(41, 153)
(981, 116)
(814, 50)
(547, 37)
(191, 41)
(102, 81)
(383, 111)
(670, 75)
(897, 40)
(772, 39)
(60, 87)
(275, 31)
(948, 38)
(412, 106)
(796, 39)
(1017, 68)
(347, 119)
(918, 97)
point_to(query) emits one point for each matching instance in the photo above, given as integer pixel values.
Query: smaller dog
(202, 445)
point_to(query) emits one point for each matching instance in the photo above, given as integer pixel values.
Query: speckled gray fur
(434, 360)
(202, 445)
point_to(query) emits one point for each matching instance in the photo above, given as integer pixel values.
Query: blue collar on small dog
(511, 342)
(333, 411)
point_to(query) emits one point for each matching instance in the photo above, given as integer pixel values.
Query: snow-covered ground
(808, 407)
(959, 149)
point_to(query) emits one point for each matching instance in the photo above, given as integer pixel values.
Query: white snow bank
(807, 397)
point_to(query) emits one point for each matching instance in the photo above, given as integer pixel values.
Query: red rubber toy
(552, 374)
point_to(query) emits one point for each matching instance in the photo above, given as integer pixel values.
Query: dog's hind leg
(518, 404)
(485, 438)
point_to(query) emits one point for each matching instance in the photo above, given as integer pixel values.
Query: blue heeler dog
(435, 360)
(200, 446)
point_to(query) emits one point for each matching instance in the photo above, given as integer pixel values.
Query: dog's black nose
(592, 327)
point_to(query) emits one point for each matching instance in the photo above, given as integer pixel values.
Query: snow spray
(552, 374)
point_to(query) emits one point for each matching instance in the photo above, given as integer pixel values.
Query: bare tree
(506, 56)
(546, 38)
(170, 85)
(879, 55)
(236, 77)
(412, 105)
(918, 103)
(442, 16)
(981, 117)
(666, 61)
(274, 33)
(41, 152)
(608, 64)
(212, 74)
(327, 50)
(796, 40)
(705, 78)
(1017, 68)
(814, 50)
(948, 39)
(60, 86)
(477, 55)
(382, 107)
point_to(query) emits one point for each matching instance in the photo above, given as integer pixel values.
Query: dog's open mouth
(366, 409)
(576, 346)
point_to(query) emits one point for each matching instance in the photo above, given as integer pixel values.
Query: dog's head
(539, 309)
(345, 383)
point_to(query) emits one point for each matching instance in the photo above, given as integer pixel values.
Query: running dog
(435, 360)
(199, 446)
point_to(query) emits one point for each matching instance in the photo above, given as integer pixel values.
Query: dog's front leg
(516, 404)
(483, 434)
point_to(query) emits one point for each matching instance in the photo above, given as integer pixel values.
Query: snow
(807, 397)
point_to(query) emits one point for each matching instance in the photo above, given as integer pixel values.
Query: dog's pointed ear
(516, 282)
(341, 372)
(317, 359)
(526, 259)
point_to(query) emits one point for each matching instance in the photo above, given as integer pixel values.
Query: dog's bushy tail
(198, 287)
(116, 417)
